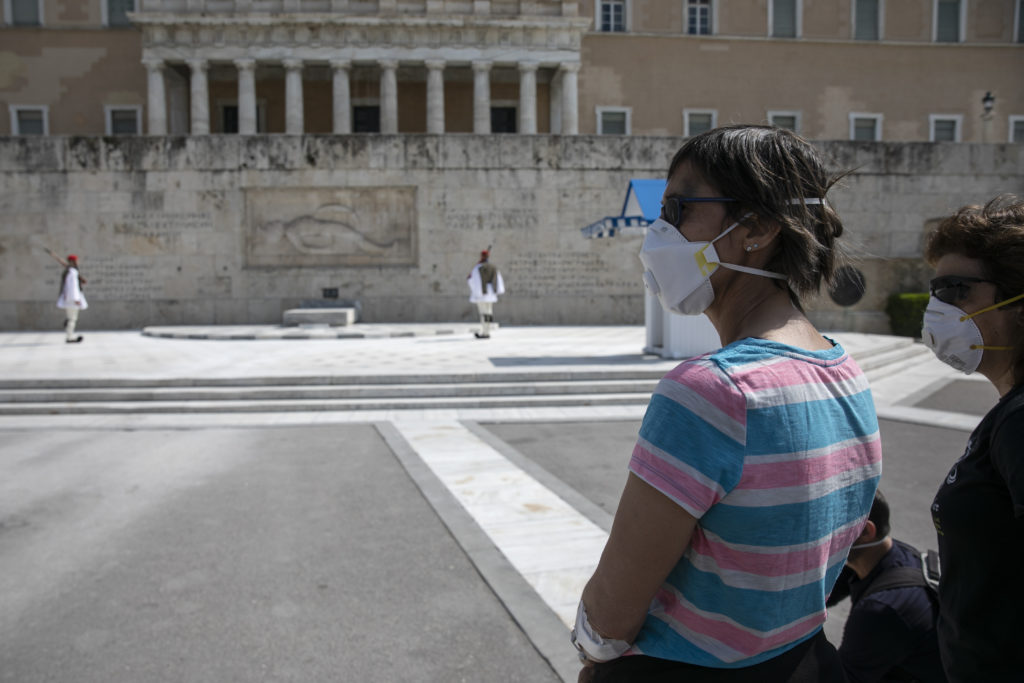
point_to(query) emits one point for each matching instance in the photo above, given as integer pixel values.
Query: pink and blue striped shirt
(776, 451)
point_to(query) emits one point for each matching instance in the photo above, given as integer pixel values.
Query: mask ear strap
(725, 232)
(754, 271)
(992, 307)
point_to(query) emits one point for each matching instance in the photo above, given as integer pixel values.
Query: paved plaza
(213, 504)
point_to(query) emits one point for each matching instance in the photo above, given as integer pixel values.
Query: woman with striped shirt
(756, 464)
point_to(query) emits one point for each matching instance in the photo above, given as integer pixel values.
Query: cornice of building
(522, 22)
(314, 37)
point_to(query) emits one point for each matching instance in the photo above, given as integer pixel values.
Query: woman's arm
(649, 536)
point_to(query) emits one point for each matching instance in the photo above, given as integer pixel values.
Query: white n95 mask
(953, 337)
(679, 272)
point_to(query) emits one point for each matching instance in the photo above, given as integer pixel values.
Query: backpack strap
(897, 577)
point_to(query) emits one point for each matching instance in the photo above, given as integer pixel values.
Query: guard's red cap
(485, 253)
(72, 257)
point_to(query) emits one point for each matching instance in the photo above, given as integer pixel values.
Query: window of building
(123, 120)
(789, 120)
(365, 118)
(25, 12)
(865, 127)
(116, 12)
(503, 119)
(229, 116)
(944, 127)
(29, 120)
(613, 121)
(698, 17)
(1017, 129)
(697, 121)
(949, 21)
(1018, 22)
(611, 16)
(783, 18)
(867, 19)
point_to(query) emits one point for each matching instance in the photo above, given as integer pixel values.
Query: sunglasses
(672, 207)
(952, 288)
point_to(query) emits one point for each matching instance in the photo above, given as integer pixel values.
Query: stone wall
(234, 230)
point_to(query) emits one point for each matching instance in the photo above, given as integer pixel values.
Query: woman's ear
(760, 233)
(868, 534)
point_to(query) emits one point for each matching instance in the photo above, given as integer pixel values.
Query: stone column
(481, 97)
(246, 96)
(555, 103)
(293, 113)
(157, 98)
(570, 101)
(200, 95)
(388, 96)
(435, 96)
(528, 98)
(342, 97)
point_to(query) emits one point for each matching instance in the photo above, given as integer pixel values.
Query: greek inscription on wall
(575, 274)
(352, 226)
(159, 223)
(113, 279)
(498, 219)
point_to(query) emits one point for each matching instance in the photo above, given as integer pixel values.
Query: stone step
(893, 356)
(320, 405)
(325, 392)
(508, 377)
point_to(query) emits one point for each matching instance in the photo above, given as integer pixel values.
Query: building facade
(220, 161)
(867, 70)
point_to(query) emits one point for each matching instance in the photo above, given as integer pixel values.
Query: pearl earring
(751, 247)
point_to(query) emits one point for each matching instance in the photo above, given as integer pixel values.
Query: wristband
(590, 644)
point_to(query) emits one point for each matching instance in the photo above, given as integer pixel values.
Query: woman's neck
(766, 312)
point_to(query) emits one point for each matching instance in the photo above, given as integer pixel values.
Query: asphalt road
(278, 554)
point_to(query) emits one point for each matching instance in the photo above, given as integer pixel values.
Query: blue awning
(641, 206)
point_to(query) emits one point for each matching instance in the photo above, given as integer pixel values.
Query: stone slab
(335, 317)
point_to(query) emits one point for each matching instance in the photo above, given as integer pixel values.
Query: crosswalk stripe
(554, 547)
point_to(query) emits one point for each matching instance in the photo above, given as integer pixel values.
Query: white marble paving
(554, 547)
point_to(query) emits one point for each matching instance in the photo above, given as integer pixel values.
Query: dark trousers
(813, 661)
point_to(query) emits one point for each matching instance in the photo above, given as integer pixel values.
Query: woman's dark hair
(764, 169)
(994, 235)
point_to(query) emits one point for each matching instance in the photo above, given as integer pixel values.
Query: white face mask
(872, 544)
(953, 337)
(679, 271)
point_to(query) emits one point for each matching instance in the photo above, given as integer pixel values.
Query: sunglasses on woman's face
(672, 207)
(952, 288)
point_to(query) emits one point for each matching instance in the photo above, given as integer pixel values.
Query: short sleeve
(1007, 447)
(692, 439)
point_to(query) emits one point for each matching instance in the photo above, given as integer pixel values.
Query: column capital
(245, 64)
(292, 64)
(152, 63)
(341, 64)
(388, 64)
(528, 66)
(571, 67)
(197, 64)
(482, 65)
(435, 64)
